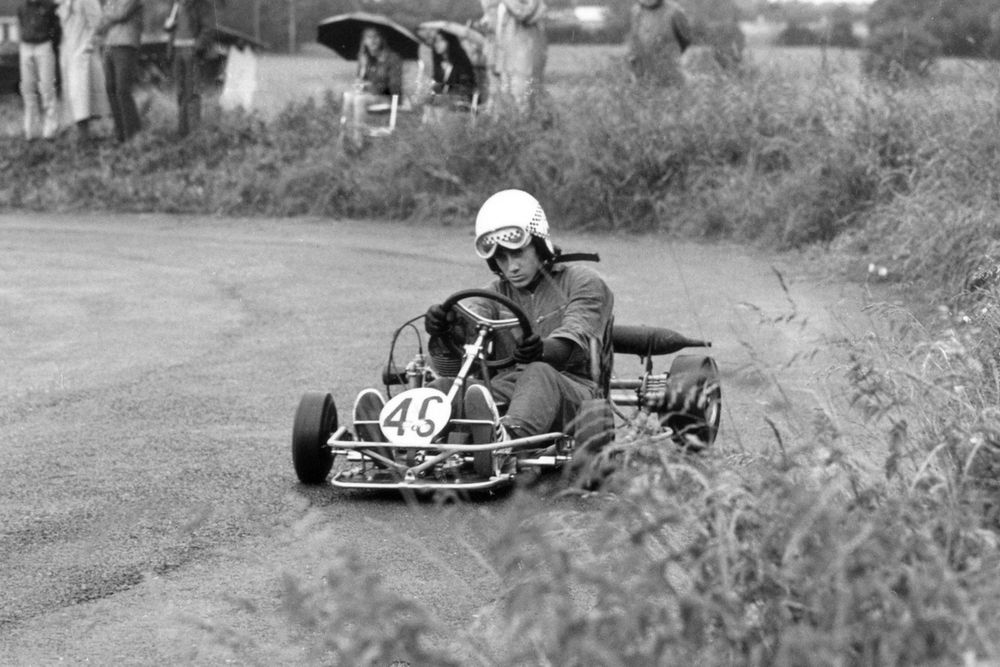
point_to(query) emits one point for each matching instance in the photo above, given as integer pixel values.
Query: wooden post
(292, 37)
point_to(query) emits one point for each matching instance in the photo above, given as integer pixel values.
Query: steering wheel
(519, 319)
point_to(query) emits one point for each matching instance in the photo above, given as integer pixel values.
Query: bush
(795, 34)
(725, 38)
(898, 50)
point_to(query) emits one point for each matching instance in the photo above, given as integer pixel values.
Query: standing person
(82, 77)
(380, 76)
(519, 50)
(39, 28)
(660, 33)
(191, 25)
(120, 31)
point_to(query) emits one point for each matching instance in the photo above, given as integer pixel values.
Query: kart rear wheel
(695, 409)
(315, 421)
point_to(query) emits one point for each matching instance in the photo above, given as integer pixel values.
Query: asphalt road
(150, 367)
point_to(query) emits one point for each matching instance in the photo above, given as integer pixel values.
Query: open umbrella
(342, 33)
(463, 32)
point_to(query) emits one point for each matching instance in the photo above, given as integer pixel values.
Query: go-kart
(423, 441)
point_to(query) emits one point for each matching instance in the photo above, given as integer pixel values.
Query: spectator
(120, 31)
(518, 51)
(39, 28)
(191, 25)
(380, 76)
(453, 74)
(82, 77)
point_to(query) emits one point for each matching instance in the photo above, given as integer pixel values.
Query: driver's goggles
(513, 238)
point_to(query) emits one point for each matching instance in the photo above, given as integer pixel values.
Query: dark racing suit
(570, 302)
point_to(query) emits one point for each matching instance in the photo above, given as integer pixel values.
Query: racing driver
(567, 357)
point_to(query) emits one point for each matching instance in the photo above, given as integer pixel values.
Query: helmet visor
(513, 238)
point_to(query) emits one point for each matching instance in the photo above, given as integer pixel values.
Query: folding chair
(392, 108)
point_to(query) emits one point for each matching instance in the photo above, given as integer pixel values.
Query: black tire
(315, 420)
(694, 410)
(593, 430)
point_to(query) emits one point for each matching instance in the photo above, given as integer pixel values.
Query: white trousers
(38, 89)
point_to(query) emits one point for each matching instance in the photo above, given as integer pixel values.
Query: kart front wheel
(315, 421)
(695, 409)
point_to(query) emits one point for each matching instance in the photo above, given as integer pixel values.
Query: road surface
(151, 367)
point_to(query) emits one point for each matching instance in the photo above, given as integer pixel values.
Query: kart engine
(654, 393)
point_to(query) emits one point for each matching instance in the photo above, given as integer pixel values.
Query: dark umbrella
(463, 32)
(470, 41)
(342, 33)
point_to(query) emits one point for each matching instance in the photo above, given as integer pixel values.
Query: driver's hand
(528, 350)
(437, 320)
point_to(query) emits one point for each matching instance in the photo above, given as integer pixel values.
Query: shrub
(796, 34)
(898, 50)
(726, 40)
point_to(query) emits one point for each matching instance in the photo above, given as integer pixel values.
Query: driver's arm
(556, 351)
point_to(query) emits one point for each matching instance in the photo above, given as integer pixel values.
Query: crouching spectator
(380, 76)
(453, 84)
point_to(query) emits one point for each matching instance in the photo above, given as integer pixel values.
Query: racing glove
(553, 351)
(437, 320)
(528, 350)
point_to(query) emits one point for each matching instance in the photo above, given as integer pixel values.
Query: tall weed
(848, 541)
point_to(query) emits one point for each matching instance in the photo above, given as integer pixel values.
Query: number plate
(415, 416)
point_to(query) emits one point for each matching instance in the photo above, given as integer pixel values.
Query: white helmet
(510, 218)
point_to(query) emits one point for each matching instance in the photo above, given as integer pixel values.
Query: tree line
(960, 28)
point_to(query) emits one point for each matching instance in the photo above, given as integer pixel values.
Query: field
(862, 529)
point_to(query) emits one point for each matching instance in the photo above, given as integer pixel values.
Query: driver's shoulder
(578, 274)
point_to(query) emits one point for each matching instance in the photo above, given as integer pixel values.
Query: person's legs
(46, 63)
(542, 399)
(361, 116)
(480, 407)
(186, 77)
(128, 73)
(29, 89)
(121, 70)
(350, 133)
(83, 130)
(367, 407)
(356, 114)
(194, 110)
(539, 398)
(111, 85)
